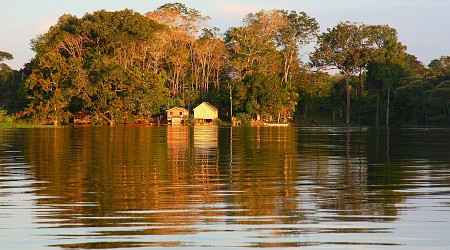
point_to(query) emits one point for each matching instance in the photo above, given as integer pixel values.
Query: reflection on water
(216, 187)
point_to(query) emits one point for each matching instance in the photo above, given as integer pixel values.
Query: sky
(422, 25)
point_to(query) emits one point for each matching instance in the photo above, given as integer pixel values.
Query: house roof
(177, 108)
(209, 105)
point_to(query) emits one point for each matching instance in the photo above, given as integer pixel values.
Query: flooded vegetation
(221, 187)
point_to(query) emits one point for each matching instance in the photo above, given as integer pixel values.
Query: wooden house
(205, 113)
(175, 115)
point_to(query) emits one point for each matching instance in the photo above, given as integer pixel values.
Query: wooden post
(231, 106)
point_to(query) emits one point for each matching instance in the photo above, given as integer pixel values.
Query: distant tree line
(123, 66)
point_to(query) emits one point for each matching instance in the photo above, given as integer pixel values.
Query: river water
(225, 188)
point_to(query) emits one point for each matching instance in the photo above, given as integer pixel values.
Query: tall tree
(180, 18)
(251, 51)
(424, 95)
(298, 30)
(267, 45)
(385, 68)
(383, 75)
(97, 63)
(316, 85)
(262, 95)
(190, 53)
(8, 85)
(269, 42)
(441, 66)
(344, 47)
(5, 56)
(209, 60)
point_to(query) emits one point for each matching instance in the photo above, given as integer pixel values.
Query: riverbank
(9, 121)
(8, 125)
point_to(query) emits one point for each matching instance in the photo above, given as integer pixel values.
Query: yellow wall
(202, 111)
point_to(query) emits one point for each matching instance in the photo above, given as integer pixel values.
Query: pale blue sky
(422, 25)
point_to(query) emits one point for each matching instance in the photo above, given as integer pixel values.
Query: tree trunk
(334, 114)
(387, 108)
(360, 95)
(378, 109)
(231, 106)
(347, 87)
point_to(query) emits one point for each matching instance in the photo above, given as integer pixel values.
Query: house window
(181, 113)
(171, 113)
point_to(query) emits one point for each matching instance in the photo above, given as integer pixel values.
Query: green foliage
(383, 75)
(345, 47)
(266, 96)
(385, 45)
(122, 67)
(189, 59)
(91, 64)
(422, 98)
(265, 64)
(410, 102)
(244, 119)
(189, 120)
(6, 79)
(9, 121)
(439, 98)
(5, 118)
(5, 56)
(191, 19)
(440, 66)
(11, 82)
(269, 43)
(217, 122)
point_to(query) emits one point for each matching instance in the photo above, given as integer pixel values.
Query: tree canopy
(124, 67)
(95, 63)
(5, 56)
(265, 55)
(347, 47)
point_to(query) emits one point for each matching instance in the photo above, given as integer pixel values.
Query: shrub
(188, 120)
(218, 122)
(5, 118)
(244, 119)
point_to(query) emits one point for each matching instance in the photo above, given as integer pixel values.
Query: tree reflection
(165, 180)
(341, 175)
(265, 174)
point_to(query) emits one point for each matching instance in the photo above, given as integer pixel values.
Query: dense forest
(124, 67)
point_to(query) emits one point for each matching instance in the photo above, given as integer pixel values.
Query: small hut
(205, 113)
(175, 115)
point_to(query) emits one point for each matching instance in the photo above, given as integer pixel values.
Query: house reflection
(206, 145)
(177, 145)
(205, 170)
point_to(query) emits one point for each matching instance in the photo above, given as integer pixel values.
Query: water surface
(224, 188)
